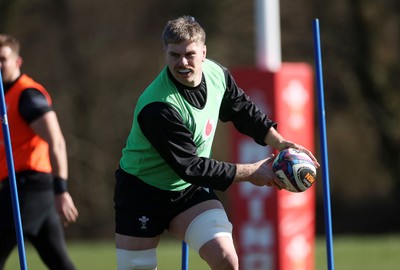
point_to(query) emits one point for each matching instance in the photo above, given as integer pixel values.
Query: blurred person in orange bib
(40, 161)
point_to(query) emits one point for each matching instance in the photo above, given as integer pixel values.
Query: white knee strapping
(207, 226)
(137, 260)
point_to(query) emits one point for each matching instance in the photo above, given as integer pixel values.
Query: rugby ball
(295, 169)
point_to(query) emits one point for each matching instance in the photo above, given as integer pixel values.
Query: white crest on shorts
(143, 220)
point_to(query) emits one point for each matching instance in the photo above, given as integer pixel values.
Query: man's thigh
(135, 243)
(180, 223)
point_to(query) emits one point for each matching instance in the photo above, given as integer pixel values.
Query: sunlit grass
(350, 253)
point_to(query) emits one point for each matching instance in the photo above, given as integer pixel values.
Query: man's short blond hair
(13, 43)
(184, 28)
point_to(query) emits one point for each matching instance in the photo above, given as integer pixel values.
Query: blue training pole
(324, 148)
(185, 256)
(12, 180)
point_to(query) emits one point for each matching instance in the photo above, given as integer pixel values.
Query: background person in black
(194, 213)
(43, 196)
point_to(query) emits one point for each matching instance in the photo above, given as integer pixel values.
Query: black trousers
(40, 221)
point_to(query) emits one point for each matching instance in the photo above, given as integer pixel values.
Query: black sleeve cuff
(60, 185)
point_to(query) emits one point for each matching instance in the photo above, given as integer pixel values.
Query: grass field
(350, 253)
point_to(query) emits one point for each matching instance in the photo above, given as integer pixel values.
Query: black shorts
(142, 210)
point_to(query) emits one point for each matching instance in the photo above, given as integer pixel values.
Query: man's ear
(19, 61)
(204, 52)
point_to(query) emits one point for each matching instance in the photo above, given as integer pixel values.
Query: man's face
(185, 60)
(10, 64)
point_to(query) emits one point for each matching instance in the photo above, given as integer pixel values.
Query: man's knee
(227, 261)
(137, 260)
(220, 254)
